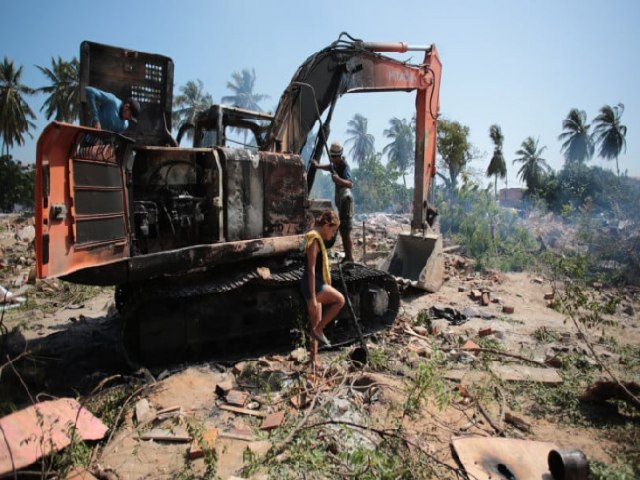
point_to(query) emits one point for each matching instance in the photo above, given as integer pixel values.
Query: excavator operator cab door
(146, 77)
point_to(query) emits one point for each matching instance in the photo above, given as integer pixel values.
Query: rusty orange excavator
(203, 243)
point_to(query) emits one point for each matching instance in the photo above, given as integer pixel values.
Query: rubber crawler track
(241, 313)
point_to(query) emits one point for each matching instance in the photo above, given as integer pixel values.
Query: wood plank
(243, 411)
(237, 436)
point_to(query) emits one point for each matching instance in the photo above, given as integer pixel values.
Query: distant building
(511, 197)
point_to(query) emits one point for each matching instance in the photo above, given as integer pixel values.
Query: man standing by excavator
(341, 176)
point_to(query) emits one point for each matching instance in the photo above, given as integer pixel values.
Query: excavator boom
(354, 67)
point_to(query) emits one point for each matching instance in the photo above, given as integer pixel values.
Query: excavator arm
(355, 66)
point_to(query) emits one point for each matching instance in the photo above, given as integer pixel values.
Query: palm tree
(609, 133)
(578, 145)
(534, 167)
(242, 86)
(401, 149)
(497, 166)
(362, 141)
(14, 110)
(64, 91)
(192, 100)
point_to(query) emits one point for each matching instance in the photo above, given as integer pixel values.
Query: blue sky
(520, 64)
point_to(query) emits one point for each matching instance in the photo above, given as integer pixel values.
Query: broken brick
(237, 398)
(485, 298)
(208, 439)
(223, 388)
(483, 332)
(507, 309)
(470, 345)
(273, 420)
(476, 294)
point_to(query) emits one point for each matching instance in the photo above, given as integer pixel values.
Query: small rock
(143, 411)
(222, 388)
(507, 309)
(26, 234)
(299, 355)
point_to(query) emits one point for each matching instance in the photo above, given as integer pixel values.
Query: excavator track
(242, 312)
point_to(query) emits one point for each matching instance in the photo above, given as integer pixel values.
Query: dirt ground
(75, 345)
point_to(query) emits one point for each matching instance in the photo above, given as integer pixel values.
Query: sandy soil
(74, 330)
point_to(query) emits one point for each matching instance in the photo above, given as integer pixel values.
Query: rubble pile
(448, 371)
(17, 258)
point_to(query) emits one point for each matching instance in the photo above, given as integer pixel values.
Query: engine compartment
(175, 198)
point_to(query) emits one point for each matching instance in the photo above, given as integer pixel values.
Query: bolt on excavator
(203, 243)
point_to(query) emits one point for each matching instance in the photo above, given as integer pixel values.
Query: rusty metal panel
(244, 194)
(75, 228)
(44, 427)
(285, 195)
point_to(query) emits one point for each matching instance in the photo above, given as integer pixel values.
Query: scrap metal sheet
(492, 458)
(33, 432)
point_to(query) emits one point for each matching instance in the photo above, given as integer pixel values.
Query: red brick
(485, 298)
(273, 420)
(209, 438)
(237, 398)
(483, 332)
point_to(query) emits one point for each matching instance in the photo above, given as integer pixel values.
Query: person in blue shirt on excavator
(108, 112)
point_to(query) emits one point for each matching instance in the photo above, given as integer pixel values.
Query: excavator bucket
(418, 258)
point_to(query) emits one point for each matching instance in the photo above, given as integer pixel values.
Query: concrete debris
(177, 434)
(223, 388)
(237, 398)
(524, 373)
(144, 413)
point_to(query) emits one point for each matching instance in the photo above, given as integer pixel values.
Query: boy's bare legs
(313, 343)
(332, 301)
